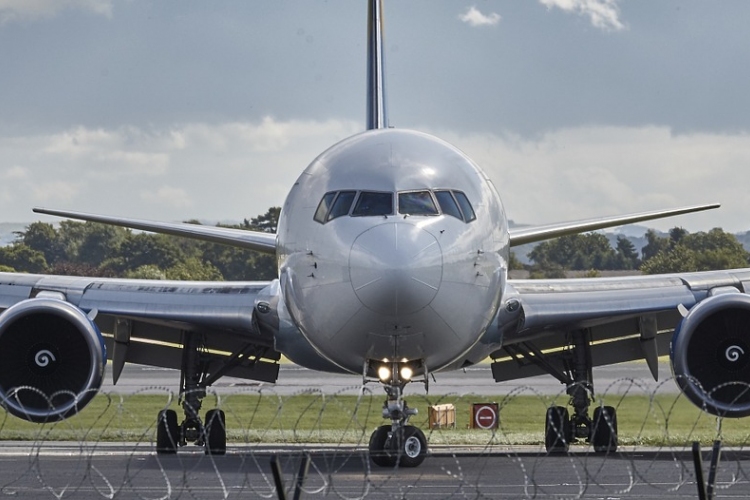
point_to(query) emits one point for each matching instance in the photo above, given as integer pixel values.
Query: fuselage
(392, 245)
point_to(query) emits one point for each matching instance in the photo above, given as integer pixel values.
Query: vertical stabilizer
(377, 111)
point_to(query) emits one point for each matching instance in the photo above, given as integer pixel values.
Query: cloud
(603, 14)
(56, 191)
(110, 153)
(218, 171)
(14, 172)
(585, 172)
(473, 17)
(17, 10)
(168, 195)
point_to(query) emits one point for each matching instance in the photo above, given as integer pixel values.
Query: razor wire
(106, 459)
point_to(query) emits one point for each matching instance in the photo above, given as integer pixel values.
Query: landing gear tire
(216, 433)
(167, 433)
(412, 448)
(557, 430)
(378, 454)
(604, 434)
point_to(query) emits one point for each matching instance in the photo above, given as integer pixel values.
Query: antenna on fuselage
(377, 110)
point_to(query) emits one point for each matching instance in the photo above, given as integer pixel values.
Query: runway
(121, 471)
(478, 380)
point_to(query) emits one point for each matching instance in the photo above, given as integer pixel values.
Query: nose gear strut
(397, 444)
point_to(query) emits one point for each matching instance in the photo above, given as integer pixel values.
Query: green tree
(578, 252)
(146, 272)
(195, 270)
(701, 251)
(654, 245)
(23, 259)
(100, 242)
(513, 263)
(43, 237)
(627, 256)
(267, 223)
(149, 249)
(70, 236)
(676, 260)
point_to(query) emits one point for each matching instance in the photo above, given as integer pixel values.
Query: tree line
(92, 249)
(679, 251)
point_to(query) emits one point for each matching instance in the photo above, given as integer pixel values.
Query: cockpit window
(416, 203)
(325, 204)
(373, 203)
(448, 204)
(342, 204)
(370, 203)
(463, 202)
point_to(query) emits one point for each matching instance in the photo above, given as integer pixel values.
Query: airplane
(392, 250)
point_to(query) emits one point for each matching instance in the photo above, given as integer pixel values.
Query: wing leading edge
(533, 234)
(252, 240)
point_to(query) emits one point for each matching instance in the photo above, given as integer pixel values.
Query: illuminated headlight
(406, 373)
(384, 373)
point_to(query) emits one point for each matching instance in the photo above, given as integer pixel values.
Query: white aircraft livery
(392, 250)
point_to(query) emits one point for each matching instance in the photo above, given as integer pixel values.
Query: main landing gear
(572, 367)
(210, 433)
(397, 444)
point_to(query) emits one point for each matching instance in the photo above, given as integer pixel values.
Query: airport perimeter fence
(318, 443)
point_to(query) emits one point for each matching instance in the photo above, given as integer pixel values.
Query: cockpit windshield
(425, 202)
(342, 205)
(372, 203)
(416, 203)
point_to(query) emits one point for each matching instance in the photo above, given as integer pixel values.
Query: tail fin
(377, 110)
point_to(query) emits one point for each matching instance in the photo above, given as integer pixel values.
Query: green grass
(314, 418)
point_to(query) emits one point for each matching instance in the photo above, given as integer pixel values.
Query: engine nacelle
(52, 359)
(710, 355)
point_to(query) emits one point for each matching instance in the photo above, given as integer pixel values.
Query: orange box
(442, 416)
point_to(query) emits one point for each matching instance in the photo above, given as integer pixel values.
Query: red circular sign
(485, 417)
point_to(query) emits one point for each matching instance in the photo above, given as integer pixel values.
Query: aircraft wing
(143, 321)
(252, 240)
(521, 236)
(625, 318)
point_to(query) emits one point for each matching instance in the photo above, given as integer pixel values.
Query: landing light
(406, 373)
(384, 373)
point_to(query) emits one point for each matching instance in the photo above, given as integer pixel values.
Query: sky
(184, 109)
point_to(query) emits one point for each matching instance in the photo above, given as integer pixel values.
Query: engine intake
(710, 355)
(52, 359)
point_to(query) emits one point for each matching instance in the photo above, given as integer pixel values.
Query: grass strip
(660, 420)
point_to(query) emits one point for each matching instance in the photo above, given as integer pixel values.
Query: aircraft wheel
(216, 432)
(412, 448)
(167, 433)
(604, 435)
(557, 430)
(378, 454)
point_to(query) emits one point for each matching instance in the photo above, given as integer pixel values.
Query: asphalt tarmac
(121, 471)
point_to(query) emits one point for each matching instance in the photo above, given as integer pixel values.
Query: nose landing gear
(398, 444)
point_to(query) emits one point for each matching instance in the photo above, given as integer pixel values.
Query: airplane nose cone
(395, 268)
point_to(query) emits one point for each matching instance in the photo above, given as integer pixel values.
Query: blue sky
(174, 110)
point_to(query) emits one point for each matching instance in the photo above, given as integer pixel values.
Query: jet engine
(710, 355)
(52, 359)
